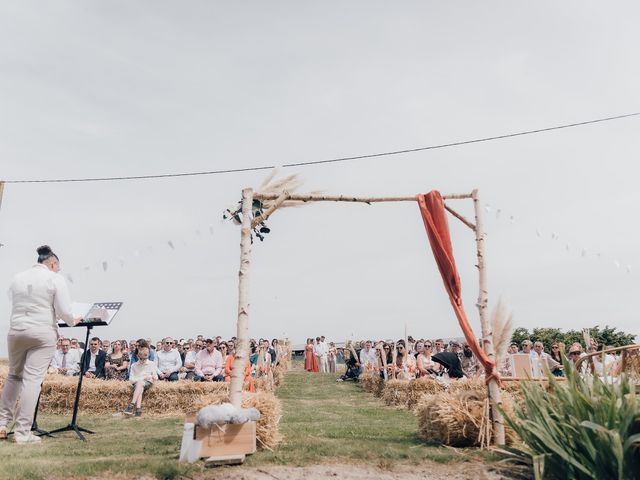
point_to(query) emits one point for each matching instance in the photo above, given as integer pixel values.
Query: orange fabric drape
(435, 221)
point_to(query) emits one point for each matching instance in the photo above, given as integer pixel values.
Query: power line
(331, 160)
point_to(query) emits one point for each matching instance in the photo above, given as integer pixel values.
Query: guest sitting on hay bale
(352, 367)
(66, 361)
(189, 367)
(117, 363)
(209, 363)
(169, 361)
(93, 363)
(141, 343)
(142, 375)
(469, 362)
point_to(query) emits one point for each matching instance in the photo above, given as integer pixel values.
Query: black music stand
(89, 323)
(73, 426)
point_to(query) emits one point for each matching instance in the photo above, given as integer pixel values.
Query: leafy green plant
(584, 428)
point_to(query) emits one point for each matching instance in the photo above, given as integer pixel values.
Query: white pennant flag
(69, 277)
(498, 212)
(628, 268)
(512, 219)
(616, 263)
(136, 253)
(121, 260)
(105, 266)
(567, 247)
(487, 208)
(211, 229)
(583, 253)
(170, 243)
(538, 232)
(555, 236)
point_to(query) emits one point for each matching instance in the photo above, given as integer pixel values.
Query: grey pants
(30, 353)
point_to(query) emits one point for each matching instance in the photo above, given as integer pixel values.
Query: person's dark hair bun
(44, 250)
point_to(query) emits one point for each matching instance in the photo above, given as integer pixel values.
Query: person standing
(39, 297)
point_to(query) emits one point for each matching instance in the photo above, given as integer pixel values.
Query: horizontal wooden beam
(347, 198)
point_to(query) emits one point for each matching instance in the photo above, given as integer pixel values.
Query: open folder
(100, 313)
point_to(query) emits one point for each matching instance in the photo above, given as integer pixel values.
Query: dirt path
(421, 471)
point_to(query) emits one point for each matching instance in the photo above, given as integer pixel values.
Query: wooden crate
(229, 439)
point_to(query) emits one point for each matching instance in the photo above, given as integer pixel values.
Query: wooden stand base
(224, 460)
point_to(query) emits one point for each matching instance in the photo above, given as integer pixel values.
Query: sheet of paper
(80, 309)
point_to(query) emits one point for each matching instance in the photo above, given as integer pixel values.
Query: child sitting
(142, 375)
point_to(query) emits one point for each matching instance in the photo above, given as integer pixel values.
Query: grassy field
(323, 421)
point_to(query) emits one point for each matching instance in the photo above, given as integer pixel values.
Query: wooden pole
(487, 333)
(241, 356)
(1, 192)
(460, 217)
(345, 198)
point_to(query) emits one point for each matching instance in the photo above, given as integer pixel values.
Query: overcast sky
(90, 89)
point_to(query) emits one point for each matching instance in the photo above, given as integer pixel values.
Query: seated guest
(469, 362)
(143, 374)
(117, 363)
(169, 361)
(141, 343)
(228, 369)
(450, 362)
(189, 367)
(209, 363)
(74, 344)
(106, 346)
(66, 361)
(93, 362)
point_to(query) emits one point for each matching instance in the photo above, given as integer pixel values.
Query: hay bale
(455, 418)
(367, 382)
(395, 392)
(278, 375)
(104, 397)
(109, 396)
(420, 387)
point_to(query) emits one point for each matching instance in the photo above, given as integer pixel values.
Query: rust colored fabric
(435, 221)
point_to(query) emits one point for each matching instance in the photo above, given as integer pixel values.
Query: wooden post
(487, 333)
(1, 192)
(241, 356)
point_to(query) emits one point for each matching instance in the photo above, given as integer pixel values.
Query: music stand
(89, 321)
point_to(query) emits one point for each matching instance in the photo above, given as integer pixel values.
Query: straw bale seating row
(104, 397)
(453, 415)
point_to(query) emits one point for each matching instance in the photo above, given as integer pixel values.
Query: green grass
(328, 421)
(323, 421)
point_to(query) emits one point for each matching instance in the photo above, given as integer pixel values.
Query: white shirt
(39, 296)
(190, 357)
(92, 361)
(140, 371)
(368, 358)
(168, 361)
(72, 361)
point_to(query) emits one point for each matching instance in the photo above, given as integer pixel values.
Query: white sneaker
(3, 433)
(28, 438)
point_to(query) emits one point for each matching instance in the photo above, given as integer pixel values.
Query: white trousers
(323, 363)
(30, 353)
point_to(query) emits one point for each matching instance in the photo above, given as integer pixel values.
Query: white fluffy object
(225, 413)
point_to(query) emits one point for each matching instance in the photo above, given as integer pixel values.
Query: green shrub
(581, 429)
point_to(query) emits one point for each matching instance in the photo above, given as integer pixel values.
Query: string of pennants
(107, 265)
(554, 236)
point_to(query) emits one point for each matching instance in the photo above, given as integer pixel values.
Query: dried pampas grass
(502, 327)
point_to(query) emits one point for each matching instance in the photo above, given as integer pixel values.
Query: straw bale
(419, 388)
(455, 418)
(278, 375)
(104, 397)
(263, 384)
(367, 382)
(395, 392)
